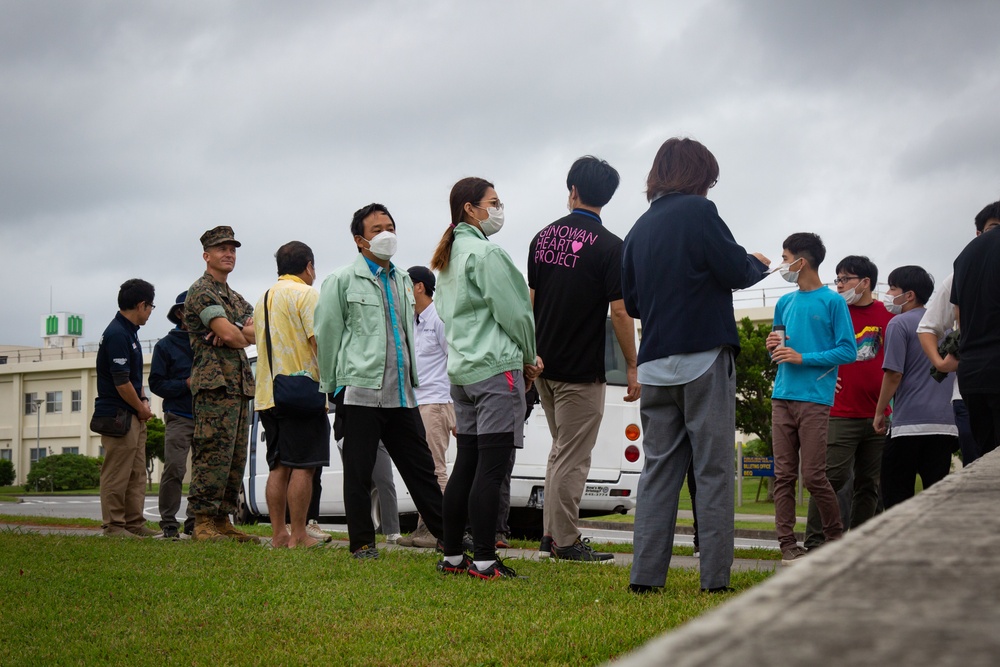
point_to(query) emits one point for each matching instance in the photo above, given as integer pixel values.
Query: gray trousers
(177, 439)
(383, 481)
(685, 424)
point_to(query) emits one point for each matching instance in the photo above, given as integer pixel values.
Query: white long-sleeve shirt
(940, 317)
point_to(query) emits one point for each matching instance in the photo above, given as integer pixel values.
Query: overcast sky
(129, 128)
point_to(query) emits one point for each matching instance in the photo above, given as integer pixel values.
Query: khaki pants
(123, 478)
(439, 420)
(574, 411)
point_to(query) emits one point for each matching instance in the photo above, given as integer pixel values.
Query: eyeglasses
(843, 280)
(151, 306)
(493, 203)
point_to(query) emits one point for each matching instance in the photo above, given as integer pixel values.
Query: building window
(37, 454)
(70, 450)
(29, 403)
(53, 401)
(6, 455)
(77, 405)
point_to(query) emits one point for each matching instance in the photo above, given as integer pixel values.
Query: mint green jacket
(351, 329)
(484, 303)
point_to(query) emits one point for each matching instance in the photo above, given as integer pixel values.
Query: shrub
(65, 472)
(7, 473)
(756, 448)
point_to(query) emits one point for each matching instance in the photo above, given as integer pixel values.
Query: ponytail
(442, 254)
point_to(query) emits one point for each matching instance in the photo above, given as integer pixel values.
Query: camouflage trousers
(219, 451)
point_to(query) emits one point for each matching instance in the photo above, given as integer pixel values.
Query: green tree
(64, 472)
(154, 446)
(754, 382)
(7, 475)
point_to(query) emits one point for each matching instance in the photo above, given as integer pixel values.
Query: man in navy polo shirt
(574, 271)
(119, 391)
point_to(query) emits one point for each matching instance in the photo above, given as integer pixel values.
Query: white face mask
(492, 224)
(383, 245)
(889, 301)
(851, 296)
(790, 276)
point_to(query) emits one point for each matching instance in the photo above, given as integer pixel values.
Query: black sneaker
(367, 552)
(643, 589)
(495, 571)
(545, 548)
(467, 542)
(582, 551)
(447, 568)
(171, 533)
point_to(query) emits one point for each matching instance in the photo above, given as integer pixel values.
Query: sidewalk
(747, 533)
(917, 585)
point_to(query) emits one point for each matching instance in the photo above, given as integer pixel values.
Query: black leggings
(473, 492)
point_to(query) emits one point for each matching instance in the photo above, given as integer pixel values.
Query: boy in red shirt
(852, 444)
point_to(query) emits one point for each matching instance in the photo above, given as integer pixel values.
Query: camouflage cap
(218, 236)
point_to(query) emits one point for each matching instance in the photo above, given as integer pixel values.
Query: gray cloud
(130, 128)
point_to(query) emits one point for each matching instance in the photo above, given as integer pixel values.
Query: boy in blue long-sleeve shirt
(819, 336)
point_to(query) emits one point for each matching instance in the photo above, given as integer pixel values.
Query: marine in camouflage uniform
(222, 386)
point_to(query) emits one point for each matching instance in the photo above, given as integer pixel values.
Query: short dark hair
(293, 258)
(133, 292)
(808, 245)
(595, 180)
(913, 279)
(991, 212)
(860, 266)
(682, 165)
(358, 221)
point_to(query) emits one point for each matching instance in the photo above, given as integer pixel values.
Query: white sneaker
(393, 538)
(314, 531)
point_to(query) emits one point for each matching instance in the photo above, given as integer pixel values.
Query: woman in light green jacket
(484, 303)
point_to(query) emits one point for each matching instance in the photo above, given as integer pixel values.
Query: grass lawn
(750, 506)
(88, 600)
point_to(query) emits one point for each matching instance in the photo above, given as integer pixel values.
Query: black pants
(473, 493)
(313, 513)
(984, 417)
(402, 432)
(905, 457)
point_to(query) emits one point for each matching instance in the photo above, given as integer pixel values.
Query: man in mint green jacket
(364, 337)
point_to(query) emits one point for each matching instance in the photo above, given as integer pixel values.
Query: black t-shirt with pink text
(574, 267)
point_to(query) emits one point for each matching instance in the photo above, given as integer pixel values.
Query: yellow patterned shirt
(291, 305)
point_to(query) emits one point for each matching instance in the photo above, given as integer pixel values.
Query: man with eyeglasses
(120, 399)
(853, 447)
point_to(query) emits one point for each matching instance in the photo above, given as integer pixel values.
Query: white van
(611, 484)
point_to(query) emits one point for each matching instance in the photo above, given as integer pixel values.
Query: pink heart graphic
(576, 246)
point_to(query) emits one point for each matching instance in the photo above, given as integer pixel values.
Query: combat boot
(227, 529)
(205, 529)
